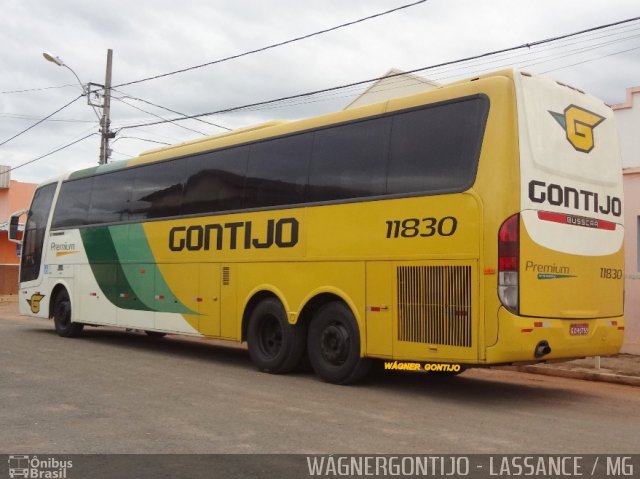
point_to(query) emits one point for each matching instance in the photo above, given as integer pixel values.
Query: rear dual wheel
(333, 345)
(275, 346)
(332, 342)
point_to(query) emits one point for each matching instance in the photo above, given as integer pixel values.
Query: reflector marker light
(377, 309)
(541, 324)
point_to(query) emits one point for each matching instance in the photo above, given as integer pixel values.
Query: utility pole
(105, 122)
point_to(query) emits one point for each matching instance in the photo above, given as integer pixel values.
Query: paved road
(112, 392)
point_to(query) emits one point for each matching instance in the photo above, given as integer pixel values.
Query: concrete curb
(580, 374)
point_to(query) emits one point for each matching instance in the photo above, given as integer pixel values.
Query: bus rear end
(560, 257)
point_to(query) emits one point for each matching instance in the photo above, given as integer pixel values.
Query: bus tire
(62, 317)
(333, 345)
(275, 346)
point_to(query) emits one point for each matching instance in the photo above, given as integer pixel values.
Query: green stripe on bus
(125, 269)
(95, 170)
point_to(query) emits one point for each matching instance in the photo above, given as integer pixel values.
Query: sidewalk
(621, 369)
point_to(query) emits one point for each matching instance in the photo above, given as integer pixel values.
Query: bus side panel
(379, 310)
(229, 309)
(93, 304)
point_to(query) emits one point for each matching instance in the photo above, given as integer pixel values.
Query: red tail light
(509, 263)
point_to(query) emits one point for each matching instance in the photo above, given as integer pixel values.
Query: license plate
(579, 329)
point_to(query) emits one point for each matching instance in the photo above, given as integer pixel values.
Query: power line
(168, 109)
(42, 120)
(52, 152)
(141, 139)
(532, 58)
(6, 92)
(497, 61)
(593, 59)
(275, 45)
(17, 116)
(164, 120)
(362, 82)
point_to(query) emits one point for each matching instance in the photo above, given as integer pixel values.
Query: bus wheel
(334, 345)
(275, 346)
(62, 317)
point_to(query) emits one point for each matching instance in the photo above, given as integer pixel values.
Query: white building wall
(628, 121)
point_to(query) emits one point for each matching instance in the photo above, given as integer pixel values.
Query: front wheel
(62, 317)
(333, 344)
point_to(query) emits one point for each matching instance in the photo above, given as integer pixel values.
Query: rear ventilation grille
(226, 276)
(434, 305)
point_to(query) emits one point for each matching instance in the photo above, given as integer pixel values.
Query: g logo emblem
(578, 124)
(34, 302)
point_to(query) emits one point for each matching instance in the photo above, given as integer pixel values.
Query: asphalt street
(121, 392)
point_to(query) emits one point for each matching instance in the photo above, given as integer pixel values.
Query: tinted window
(277, 172)
(33, 238)
(72, 207)
(215, 181)
(157, 190)
(436, 149)
(349, 161)
(110, 197)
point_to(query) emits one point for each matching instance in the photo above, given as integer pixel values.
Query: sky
(155, 37)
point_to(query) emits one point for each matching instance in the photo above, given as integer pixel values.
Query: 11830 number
(421, 227)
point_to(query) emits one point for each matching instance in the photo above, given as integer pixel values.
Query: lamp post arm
(85, 90)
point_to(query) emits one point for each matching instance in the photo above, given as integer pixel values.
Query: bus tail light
(509, 263)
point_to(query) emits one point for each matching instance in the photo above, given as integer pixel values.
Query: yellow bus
(475, 224)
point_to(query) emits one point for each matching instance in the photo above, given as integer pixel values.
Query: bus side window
(349, 161)
(278, 172)
(436, 149)
(72, 207)
(157, 190)
(215, 181)
(110, 202)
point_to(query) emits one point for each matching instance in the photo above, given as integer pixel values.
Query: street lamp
(106, 134)
(58, 61)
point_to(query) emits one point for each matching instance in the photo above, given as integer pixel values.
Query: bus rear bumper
(540, 339)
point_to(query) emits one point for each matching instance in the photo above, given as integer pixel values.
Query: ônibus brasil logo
(34, 467)
(578, 124)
